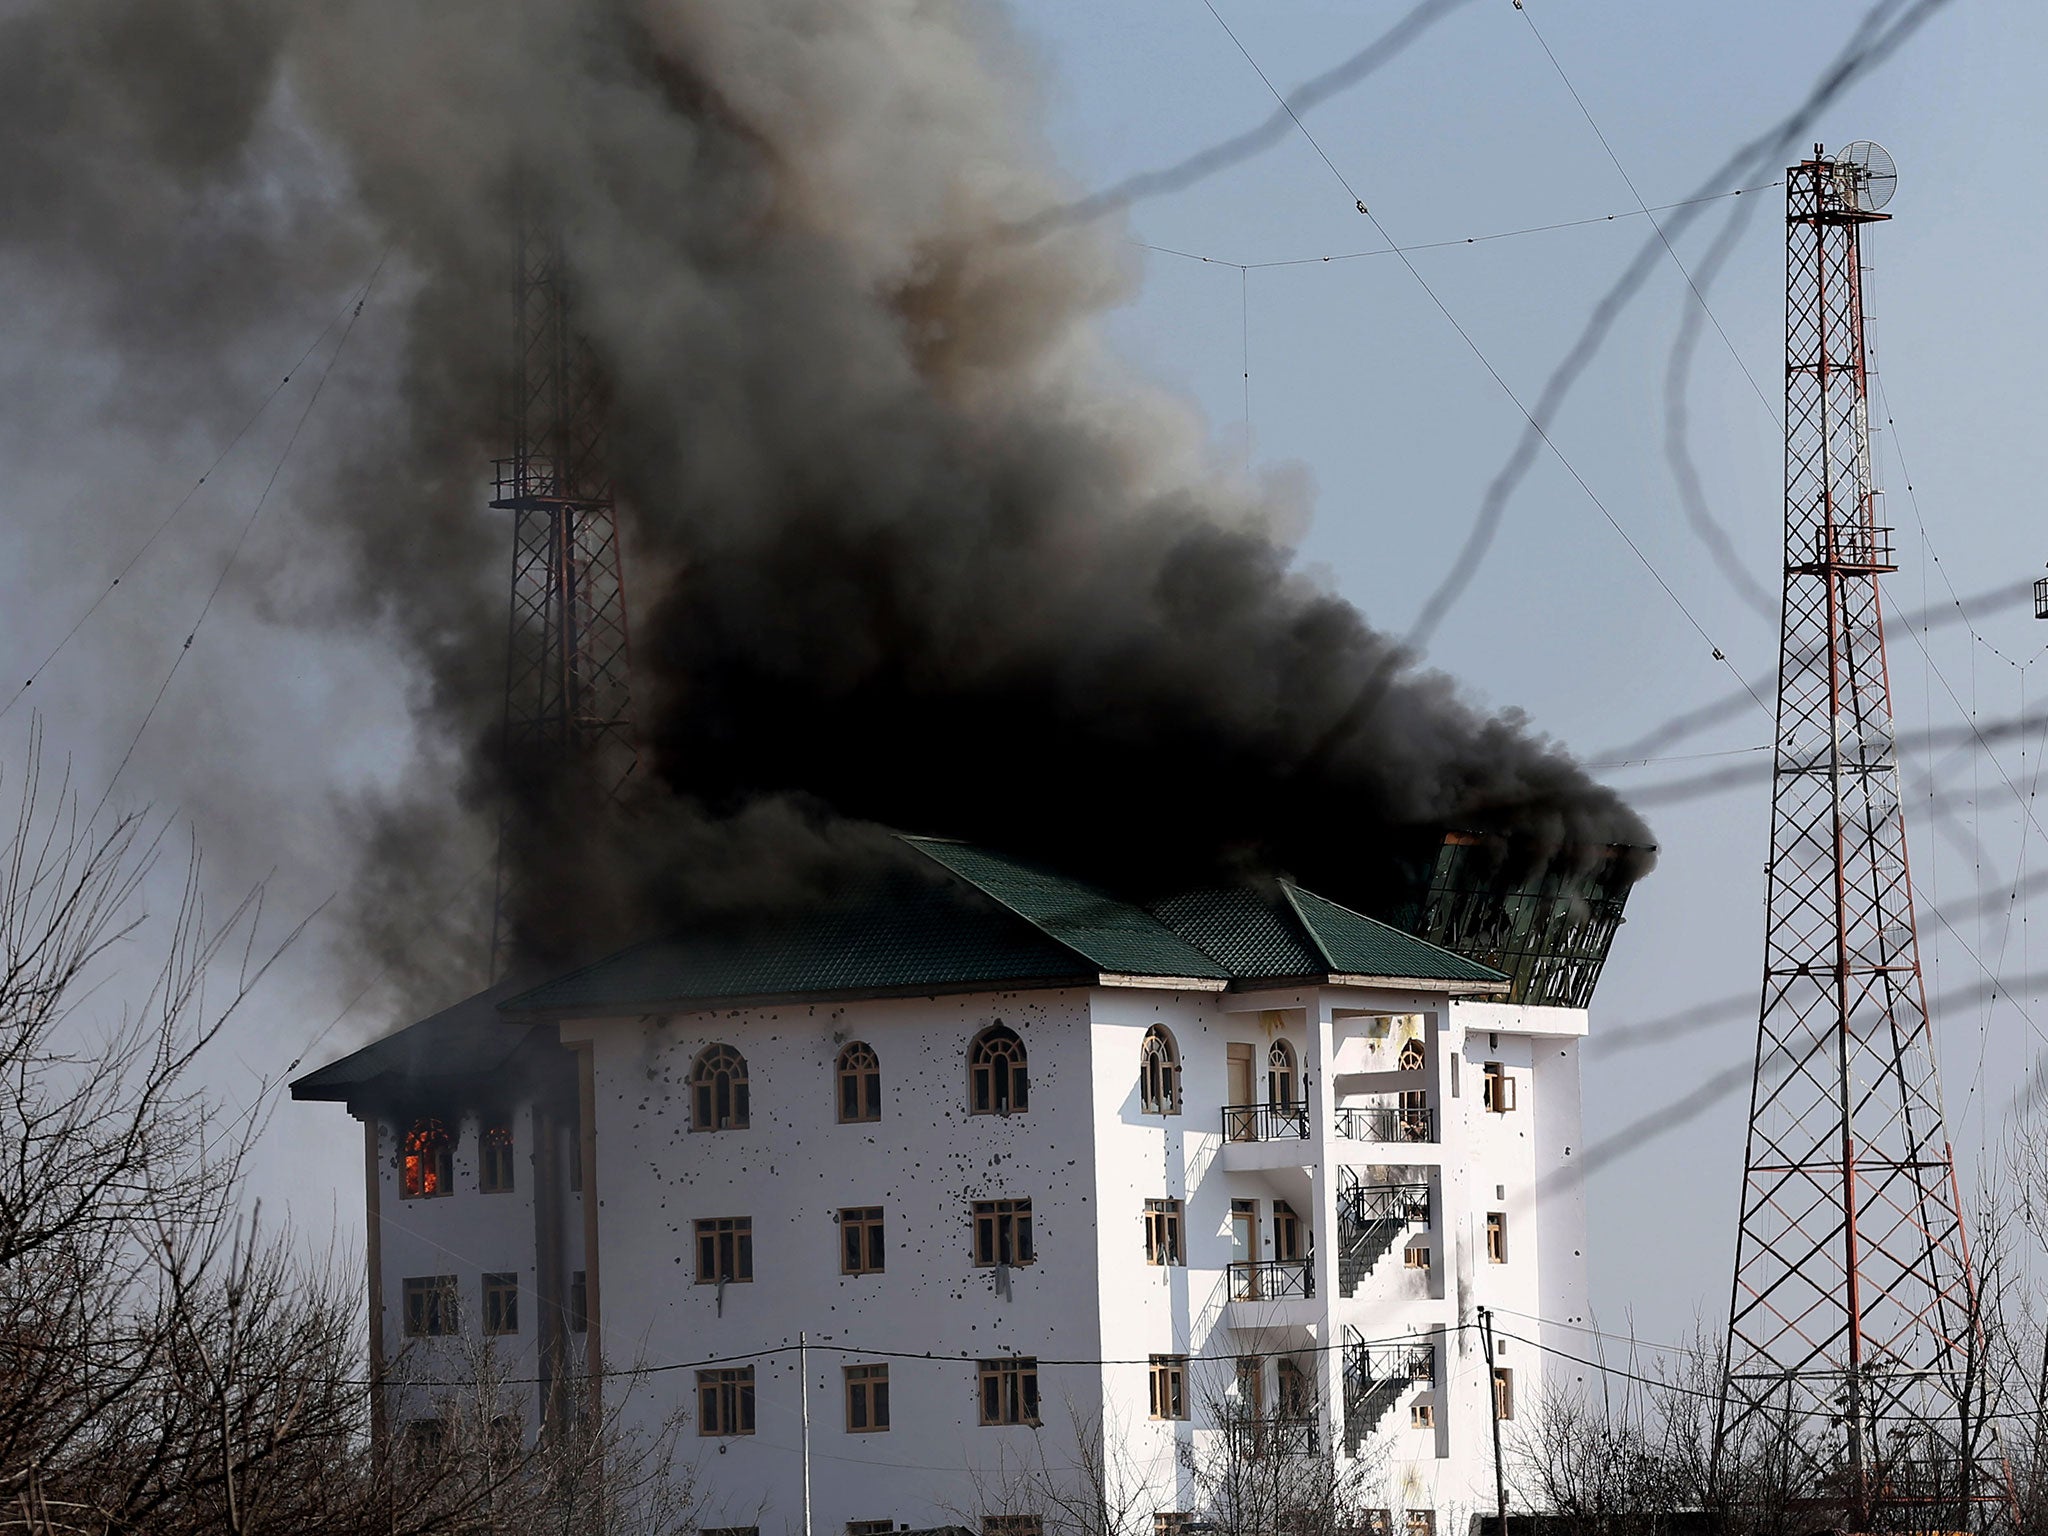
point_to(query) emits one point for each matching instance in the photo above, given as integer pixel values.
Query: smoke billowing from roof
(906, 549)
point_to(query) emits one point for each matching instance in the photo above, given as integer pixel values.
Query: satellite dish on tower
(1866, 174)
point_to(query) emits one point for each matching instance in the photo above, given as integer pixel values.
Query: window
(871, 1528)
(718, 1090)
(1169, 1386)
(579, 1303)
(725, 1249)
(1297, 1401)
(1002, 1232)
(1011, 1525)
(1159, 1073)
(860, 1240)
(1378, 1522)
(501, 1303)
(725, 1402)
(1496, 1237)
(1162, 1232)
(1503, 1392)
(1174, 1522)
(1280, 1073)
(1416, 1257)
(730, 1530)
(505, 1438)
(1286, 1232)
(429, 1160)
(430, 1310)
(997, 1081)
(867, 1398)
(1251, 1387)
(423, 1440)
(1009, 1390)
(1421, 1522)
(860, 1084)
(1498, 1091)
(494, 1177)
(1421, 1416)
(1414, 1056)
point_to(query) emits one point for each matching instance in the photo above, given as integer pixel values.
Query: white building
(1024, 1166)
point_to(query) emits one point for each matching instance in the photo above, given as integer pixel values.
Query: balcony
(1375, 1380)
(1286, 1435)
(1387, 1123)
(1271, 1280)
(1266, 1122)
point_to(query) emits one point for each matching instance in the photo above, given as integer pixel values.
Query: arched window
(718, 1090)
(1159, 1073)
(997, 1081)
(1280, 1074)
(860, 1084)
(429, 1160)
(1413, 1056)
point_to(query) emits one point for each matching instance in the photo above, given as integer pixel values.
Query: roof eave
(1456, 988)
(641, 1007)
(1163, 983)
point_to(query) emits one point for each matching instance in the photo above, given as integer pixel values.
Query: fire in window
(1002, 1232)
(1498, 1089)
(1009, 1390)
(429, 1167)
(725, 1249)
(495, 1176)
(1162, 1232)
(725, 1402)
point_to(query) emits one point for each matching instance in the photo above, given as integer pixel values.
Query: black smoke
(907, 549)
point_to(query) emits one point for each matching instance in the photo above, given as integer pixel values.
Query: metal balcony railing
(1375, 1379)
(1848, 546)
(1265, 1122)
(1282, 1435)
(1360, 1205)
(1271, 1279)
(1386, 1122)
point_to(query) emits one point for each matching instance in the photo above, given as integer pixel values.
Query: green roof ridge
(1432, 960)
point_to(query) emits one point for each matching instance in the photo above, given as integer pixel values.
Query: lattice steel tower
(1852, 1320)
(568, 697)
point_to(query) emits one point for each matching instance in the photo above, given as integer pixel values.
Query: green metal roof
(1113, 935)
(1357, 945)
(470, 1039)
(895, 932)
(1240, 929)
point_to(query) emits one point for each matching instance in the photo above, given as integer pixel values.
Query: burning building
(1023, 1165)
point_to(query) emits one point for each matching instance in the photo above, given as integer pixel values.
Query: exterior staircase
(1371, 1220)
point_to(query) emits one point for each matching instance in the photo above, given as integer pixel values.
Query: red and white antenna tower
(1852, 1330)
(568, 695)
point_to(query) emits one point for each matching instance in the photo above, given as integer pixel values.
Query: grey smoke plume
(907, 549)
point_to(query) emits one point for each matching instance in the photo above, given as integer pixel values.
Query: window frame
(867, 1385)
(730, 1237)
(1497, 1088)
(501, 1302)
(1294, 1391)
(1504, 1393)
(1012, 1525)
(1007, 1227)
(1166, 1232)
(857, 1083)
(717, 1061)
(1421, 1054)
(1166, 1378)
(1496, 1237)
(579, 1301)
(1283, 1069)
(1287, 1233)
(1014, 1382)
(437, 1302)
(1159, 1072)
(861, 1248)
(1422, 1415)
(428, 1137)
(494, 1159)
(725, 1398)
(998, 1072)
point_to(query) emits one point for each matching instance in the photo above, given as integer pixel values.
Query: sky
(1345, 375)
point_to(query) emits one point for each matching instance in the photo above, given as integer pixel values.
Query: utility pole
(1500, 1475)
(803, 1388)
(1853, 1297)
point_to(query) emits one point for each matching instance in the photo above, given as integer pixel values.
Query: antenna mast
(1853, 1324)
(568, 700)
